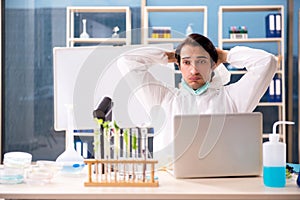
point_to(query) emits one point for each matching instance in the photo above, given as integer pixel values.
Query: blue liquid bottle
(274, 160)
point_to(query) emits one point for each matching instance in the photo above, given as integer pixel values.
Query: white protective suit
(242, 96)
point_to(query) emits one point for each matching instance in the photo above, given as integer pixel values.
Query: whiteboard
(83, 76)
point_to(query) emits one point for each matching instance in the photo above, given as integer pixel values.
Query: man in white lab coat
(204, 86)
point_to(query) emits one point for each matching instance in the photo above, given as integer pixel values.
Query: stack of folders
(273, 25)
(275, 90)
(83, 144)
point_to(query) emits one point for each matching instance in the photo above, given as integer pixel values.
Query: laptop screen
(213, 145)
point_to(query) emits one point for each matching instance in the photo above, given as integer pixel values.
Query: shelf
(238, 72)
(176, 8)
(251, 8)
(251, 40)
(98, 40)
(241, 72)
(71, 40)
(164, 40)
(84, 134)
(93, 9)
(254, 8)
(278, 104)
(145, 20)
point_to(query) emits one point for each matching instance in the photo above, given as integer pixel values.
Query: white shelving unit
(280, 42)
(70, 38)
(145, 20)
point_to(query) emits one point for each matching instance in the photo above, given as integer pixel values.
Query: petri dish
(38, 175)
(53, 166)
(11, 175)
(17, 159)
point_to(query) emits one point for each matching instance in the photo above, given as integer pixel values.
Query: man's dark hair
(196, 39)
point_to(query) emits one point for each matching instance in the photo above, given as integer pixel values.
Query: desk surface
(63, 187)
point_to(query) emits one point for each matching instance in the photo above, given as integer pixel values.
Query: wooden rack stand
(120, 173)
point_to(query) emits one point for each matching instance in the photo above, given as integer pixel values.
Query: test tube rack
(124, 173)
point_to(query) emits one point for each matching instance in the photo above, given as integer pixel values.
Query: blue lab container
(274, 162)
(274, 176)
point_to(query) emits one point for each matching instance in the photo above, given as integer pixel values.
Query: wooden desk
(63, 187)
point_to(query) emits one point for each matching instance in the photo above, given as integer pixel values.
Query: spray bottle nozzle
(275, 137)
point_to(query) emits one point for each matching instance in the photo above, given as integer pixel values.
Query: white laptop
(217, 145)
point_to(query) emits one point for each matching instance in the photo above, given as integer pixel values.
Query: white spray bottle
(274, 159)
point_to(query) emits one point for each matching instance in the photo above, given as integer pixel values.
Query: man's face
(195, 66)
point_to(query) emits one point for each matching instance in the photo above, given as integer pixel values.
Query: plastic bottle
(84, 33)
(274, 159)
(115, 32)
(189, 30)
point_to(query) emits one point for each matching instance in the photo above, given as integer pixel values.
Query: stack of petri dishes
(42, 172)
(14, 166)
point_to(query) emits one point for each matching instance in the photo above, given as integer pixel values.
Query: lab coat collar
(199, 91)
